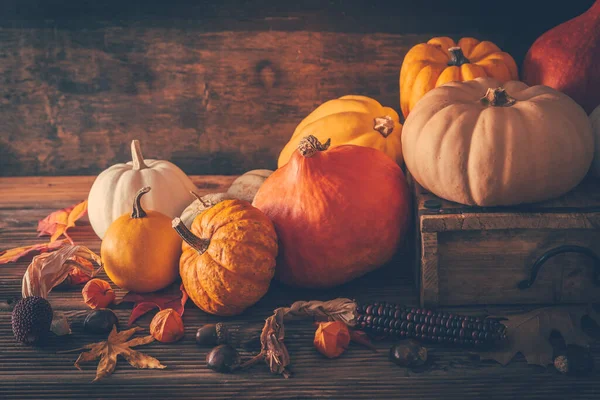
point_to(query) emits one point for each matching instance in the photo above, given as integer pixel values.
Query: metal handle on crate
(537, 265)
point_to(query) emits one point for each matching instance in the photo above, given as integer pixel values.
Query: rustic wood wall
(215, 86)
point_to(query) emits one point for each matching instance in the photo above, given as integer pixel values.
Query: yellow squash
(441, 60)
(140, 252)
(357, 120)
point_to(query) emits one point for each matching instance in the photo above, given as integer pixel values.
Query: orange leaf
(15, 254)
(57, 223)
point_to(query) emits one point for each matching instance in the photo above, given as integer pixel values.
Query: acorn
(100, 321)
(212, 335)
(223, 358)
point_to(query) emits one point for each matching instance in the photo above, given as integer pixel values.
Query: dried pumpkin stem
(310, 145)
(457, 57)
(497, 97)
(138, 211)
(201, 245)
(384, 125)
(136, 155)
(202, 200)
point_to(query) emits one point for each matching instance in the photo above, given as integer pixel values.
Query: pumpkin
(113, 190)
(567, 58)
(357, 120)
(339, 213)
(246, 185)
(201, 204)
(441, 60)
(595, 118)
(228, 258)
(140, 252)
(487, 144)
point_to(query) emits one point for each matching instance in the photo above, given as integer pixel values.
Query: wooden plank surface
(36, 373)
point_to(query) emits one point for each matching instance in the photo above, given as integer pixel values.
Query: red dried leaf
(15, 254)
(166, 298)
(57, 223)
(361, 337)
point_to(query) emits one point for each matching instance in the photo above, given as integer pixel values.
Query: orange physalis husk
(167, 326)
(332, 338)
(17, 253)
(57, 223)
(97, 293)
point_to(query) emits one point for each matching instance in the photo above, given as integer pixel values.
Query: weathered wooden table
(36, 373)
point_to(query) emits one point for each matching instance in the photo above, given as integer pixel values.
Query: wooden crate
(472, 255)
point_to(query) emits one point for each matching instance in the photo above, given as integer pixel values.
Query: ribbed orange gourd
(140, 252)
(441, 60)
(352, 119)
(339, 213)
(228, 258)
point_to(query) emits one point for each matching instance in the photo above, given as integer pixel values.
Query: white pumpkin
(595, 117)
(114, 189)
(246, 185)
(201, 204)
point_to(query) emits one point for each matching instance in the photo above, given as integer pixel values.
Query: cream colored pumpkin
(469, 142)
(114, 189)
(201, 204)
(246, 185)
(595, 117)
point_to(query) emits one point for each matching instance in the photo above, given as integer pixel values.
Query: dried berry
(98, 294)
(31, 319)
(408, 353)
(100, 321)
(212, 335)
(332, 338)
(576, 361)
(223, 358)
(167, 326)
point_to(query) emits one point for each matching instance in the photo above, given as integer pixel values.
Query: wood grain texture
(430, 280)
(36, 373)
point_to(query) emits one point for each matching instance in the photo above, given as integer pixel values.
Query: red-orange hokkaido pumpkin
(338, 213)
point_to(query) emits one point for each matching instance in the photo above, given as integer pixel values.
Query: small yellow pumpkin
(228, 258)
(140, 252)
(357, 120)
(441, 60)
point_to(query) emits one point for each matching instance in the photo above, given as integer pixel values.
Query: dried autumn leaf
(50, 269)
(17, 253)
(164, 299)
(117, 344)
(529, 333)
(57, 223)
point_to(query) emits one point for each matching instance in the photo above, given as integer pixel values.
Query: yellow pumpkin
(357, 120)
(228, 258)
(441, 60)
(140, 252)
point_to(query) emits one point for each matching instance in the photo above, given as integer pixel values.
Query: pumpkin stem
(202, 200)
(201, 245)
(138, 211)
(497, 97)
(310, 145)
(136, 155)
(384, 125)
(457, 58)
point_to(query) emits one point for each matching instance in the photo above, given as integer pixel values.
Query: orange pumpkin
(339, 213)
(441, 60)
(228, 258)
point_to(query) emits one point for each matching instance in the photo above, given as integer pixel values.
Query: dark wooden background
(215, 86)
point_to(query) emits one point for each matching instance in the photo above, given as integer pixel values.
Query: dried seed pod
(332, 338)
(408, 353)
(98, 294)
(167, 326)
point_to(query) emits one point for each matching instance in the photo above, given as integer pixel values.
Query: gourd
(567, 58)
(489, 144)
(595, 118)
(441, 60)
(113, 190)
(246, 185)
(140, 251)
(243, 187)
(228, 258)
(352, 119)
(339, 213)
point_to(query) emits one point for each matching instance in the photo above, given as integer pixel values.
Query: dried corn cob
(386, 319)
